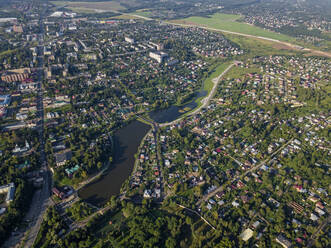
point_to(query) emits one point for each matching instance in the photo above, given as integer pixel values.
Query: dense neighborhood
(233, 147)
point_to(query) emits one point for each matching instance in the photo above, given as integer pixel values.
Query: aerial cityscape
(145, 123)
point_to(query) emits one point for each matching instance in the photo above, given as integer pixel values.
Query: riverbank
(205, 101)
(126, 142)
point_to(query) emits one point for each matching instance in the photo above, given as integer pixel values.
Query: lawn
(208, 83)
(230, 23)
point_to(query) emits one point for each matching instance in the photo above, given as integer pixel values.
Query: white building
(10, 190)
(247, 234)
(129, 40)
(158, 56)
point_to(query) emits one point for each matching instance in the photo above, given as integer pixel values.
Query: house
(8, 189)
(235, 204)
(72, 170)
(313, 217)
(58, 193)
(283, 241)
(256, 224)
(129, 40)
(18, 149)
(26, 164)
(147, 193)
(62, 157)
(299, 188)
(247, 234)
(319, 211)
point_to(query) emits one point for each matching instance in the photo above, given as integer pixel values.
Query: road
(45, 200)
(221, 188)
(195, 212)
(293, 46)
(41, 199)
(312, 239)
(206, 197)
(205, 101)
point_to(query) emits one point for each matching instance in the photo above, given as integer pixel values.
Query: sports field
(230, 23)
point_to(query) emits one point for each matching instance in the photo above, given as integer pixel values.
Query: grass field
(142, 13)
(230, 23)
(91, 7)
(208, 83)
(125, 17)
(253, 47)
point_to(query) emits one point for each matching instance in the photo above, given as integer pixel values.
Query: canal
(126, 142)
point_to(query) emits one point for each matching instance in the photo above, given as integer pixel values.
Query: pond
(126, 143)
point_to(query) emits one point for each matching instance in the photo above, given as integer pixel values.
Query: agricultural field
(230, 23)
(92, 7)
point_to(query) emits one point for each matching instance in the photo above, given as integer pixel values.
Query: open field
(229, 23)
(124, 17)
(254, 46)
(142, 13)
(91, 7)
(208, 84)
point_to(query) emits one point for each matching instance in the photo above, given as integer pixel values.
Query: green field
(208, 83)
(253, 47)
(142, 13)
(230, 23)
(91, 7)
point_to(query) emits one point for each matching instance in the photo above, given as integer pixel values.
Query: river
(126, 142)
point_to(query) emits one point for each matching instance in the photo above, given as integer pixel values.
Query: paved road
(205, 101)
(41, 199)
(206, 197)
(221, 188)
(327, 54)
(45, 200)
(322, 53)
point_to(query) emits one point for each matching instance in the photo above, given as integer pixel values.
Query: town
(114, 125)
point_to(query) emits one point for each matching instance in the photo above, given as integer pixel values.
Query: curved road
(322, 53)
(327, 54)
(205, 101)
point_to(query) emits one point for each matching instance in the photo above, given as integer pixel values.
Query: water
(126, 142)
(174, 112)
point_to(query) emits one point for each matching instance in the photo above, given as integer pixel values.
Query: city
(138, 126)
